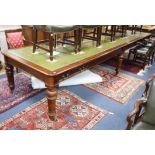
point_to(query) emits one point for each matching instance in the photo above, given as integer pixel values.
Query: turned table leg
(10, 76)
(51, 99)
(119, 63)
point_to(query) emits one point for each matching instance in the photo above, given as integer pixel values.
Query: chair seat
(132, 50)
(57, 28)
(149, 45)
(143, 126)
(142, 50)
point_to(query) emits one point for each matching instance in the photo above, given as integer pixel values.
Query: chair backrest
(14, 39)
(151, 50)
(149, 115)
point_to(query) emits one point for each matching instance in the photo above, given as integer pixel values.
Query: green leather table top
(66, 54)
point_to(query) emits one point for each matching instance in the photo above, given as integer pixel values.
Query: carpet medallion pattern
(72, 113)
(117, 87)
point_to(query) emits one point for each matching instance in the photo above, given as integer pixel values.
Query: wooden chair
(94, 35)
(122, 29)
(136, 28)
(110, 30)
(51, 31)
(143, 115)
(143, 53)
(14, 39)
(150, 41)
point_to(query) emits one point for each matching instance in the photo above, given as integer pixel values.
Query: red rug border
(143, 82)
(102, 112)
(34, 93)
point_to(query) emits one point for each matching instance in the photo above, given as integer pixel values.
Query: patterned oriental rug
(23, 91)
(72, 113)
(130, 67)
(117, 87)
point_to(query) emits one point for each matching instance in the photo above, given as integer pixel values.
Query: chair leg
(137, 115)
(76, 40)
(94, 32)
(80, 38)
(34, 37)
(113, 32)
(99, 33)
(152, 59)
(144, 64)
(106, 30)
(135, 56)
(84, 33)
(122, 31)
(50, 36)
(149, 59)
(132, 30)
(64, 37)
(55, 41)
(129, 57)
(17, 70)
(141, 28)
